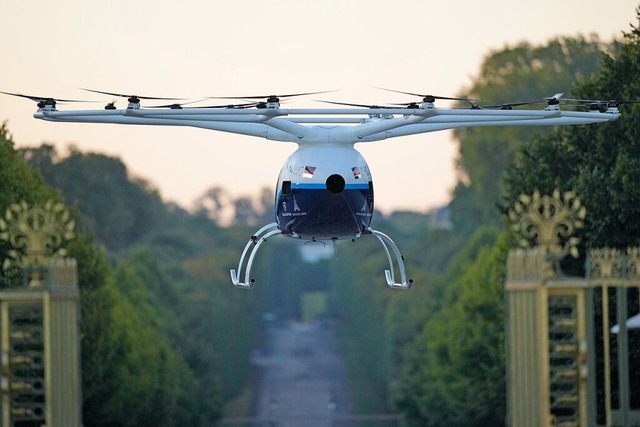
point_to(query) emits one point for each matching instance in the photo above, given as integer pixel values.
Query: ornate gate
(573, 355)
(39, 321)
(613, 278)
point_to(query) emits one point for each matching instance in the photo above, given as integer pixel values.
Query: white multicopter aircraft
(325, 188)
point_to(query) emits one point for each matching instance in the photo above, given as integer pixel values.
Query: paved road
(303, 381)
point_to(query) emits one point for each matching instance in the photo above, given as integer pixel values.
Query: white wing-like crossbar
(329, 125)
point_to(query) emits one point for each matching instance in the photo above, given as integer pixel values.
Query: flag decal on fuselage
(308, 171)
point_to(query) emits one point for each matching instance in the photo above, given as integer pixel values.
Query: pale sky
(194, 49)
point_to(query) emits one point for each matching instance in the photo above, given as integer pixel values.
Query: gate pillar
(546, 346)
(40, 380)
(526, 344)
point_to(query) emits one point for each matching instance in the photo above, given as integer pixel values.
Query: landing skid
(389, 274)
(252, 247)
(272, 229)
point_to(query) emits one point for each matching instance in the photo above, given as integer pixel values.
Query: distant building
(439, 218)
(316, 251)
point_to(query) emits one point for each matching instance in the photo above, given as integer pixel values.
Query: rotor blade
(246, 105)
(581, 105)
(449, 98)
(594, 101)
(602, 101)
(269, 96)
(42, 98)
(582, 101)
(410, 105)
(357, 105)
(513, 104)
(174, 105)
(556, 98)
(122, 95)
(180, 105)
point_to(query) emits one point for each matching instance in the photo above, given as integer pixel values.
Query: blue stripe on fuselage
(323, 186)
(317, 186)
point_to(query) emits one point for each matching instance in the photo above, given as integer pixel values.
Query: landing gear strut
(252, 246)
(272, 229)
(389, 274)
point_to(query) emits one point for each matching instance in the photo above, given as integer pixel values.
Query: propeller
(555, 99)
(510, 105)
(599, 103)
(411, 105)
(428, 98)
(134, 99)
(269, 98)
(245, 105)
(360, 105)
(552, 100)
(42, 101)
(177, 106)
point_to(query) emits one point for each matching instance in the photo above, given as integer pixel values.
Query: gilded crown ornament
(36, 234)
(549, 222)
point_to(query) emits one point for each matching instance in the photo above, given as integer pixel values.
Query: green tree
(600, 162)
(523, 72)
(18, 182)
(160, 386)
(119, 209)
(453, 374)
(136, 349)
